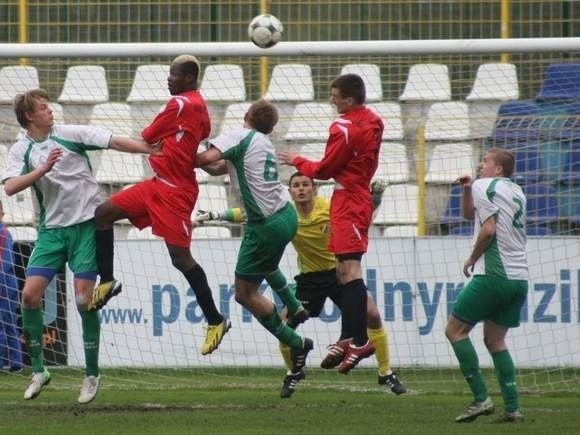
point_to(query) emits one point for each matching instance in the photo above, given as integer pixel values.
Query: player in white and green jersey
(499, 285)
(249, 157)
(52, 159)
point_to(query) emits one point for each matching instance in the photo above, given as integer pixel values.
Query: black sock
(345, 331)
(105, 253)
(354, 304)
(198, 281)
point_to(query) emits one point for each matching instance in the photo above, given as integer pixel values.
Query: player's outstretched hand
(464, 180)
(202, 216)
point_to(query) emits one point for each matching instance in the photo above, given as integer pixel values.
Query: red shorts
(350, 218)
(165, 208)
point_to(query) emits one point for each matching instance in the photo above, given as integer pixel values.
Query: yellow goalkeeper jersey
(311, 240)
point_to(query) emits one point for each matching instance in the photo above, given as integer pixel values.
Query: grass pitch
(247, 401)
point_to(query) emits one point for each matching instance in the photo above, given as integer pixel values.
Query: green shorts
(491, 298)
(264, 243)
(57, 246)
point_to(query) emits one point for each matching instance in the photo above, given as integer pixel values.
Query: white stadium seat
(427, 82)
(371, 75)
(212, 198)
(449, 161)
(290, 82)
(234, 116)
(23, 234)
(495, 81)
(401, 231)
(85, 84)
(391, 114)
(18, 208)
(15, 80)
(310, 122)
(150, 84)
(398, 206)
(211, 232)
(448, 121)
(144, 234)
(393, 163)
(223, 83)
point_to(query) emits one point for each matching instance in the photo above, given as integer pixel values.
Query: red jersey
(181, 125)
(351, 156)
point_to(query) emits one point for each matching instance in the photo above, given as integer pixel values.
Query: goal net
(442, 110)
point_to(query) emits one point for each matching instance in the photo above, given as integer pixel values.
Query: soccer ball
(265, 30)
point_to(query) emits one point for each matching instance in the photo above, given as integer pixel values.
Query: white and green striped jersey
(253, 170)
(506, 256)
(68, 194)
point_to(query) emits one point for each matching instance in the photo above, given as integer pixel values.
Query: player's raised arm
(129, 145)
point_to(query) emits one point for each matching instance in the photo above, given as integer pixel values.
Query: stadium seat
(449, 161)
(23, 234)
(212, 198)
(371, 75)
(398, 206)
(312, 151)
(528, 168)
(15, 80)
(453, 213)
(427, 82)
(149, 84)
(571, 171)
(538, 230)
(135, 233)
(290, 82)
(561, 82)
(211, 232)
(461, 229)
(142, 114)
(517, 121)
(114, 116)
(495, 81)
(310, 122)
(493, 84)
(85, 84)
(223, 83)
(325, 190)
(393, 163)
(391, 114)
(401, 231)
(18, 208)
(448, 121)
(569, 203)
(542, 203)
(234, 116)
(570, 127)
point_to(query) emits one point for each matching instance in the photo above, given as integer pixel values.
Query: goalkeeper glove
(202, 216)
(378, 187)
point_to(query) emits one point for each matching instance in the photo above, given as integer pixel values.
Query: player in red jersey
(351, 157)
(166, 201)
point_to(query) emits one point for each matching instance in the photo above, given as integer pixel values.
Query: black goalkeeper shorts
(313, 288)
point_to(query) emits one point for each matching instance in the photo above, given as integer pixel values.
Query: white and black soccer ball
(265, 30)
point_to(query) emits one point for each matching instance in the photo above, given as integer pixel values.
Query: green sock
(277, 281)
(91, 333)
(469, 365)
(280, 330)
(506, 376)
(32, 325)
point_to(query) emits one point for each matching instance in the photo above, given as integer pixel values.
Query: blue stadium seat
(571, 171)
(453, 217)
(542, 203)
(452, 213)
(570, 128)
(538, 230)
(561, 82)
(569, 203)
(461, 229)
(528, 168)
(517, 121)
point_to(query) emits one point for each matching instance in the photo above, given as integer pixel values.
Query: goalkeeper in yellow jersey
(317, 280)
